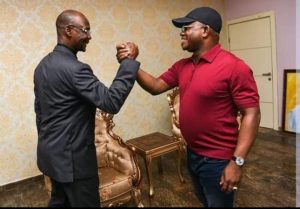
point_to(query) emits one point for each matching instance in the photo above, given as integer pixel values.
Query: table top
(153, 141)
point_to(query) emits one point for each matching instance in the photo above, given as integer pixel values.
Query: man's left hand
(127, 50)
(231, 177)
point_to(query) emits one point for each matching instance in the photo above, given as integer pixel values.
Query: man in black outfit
(66, 96)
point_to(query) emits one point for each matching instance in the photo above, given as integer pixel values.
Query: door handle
(266, 74)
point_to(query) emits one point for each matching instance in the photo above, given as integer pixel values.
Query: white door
(252, 40)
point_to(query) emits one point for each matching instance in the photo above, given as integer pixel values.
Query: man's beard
(191, 48)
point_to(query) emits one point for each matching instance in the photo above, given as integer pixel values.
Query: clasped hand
(127, 50)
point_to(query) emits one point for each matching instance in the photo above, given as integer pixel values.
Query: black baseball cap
(205, 15)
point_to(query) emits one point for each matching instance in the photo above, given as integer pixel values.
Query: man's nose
(89, 36)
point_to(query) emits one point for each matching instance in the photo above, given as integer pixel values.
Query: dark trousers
(206, 173)
(80, 193)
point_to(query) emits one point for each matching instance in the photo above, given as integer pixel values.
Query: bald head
(73, 30)
(68, 17)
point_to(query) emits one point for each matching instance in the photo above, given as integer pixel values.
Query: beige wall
(27, 34)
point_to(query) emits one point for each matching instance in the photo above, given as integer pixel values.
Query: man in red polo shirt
(214, 85)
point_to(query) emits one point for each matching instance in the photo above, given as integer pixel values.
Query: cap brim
(179, 22)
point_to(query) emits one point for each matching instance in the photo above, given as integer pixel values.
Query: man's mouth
(183, 40)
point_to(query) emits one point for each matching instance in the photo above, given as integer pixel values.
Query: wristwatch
(238, 160)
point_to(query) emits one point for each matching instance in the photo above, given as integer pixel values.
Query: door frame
(271, 16)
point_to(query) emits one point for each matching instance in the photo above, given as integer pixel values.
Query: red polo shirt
(211, 92)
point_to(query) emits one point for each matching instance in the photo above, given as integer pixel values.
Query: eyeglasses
(82, 29)
(185, 28)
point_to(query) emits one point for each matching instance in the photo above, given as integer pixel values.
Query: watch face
(239, 161)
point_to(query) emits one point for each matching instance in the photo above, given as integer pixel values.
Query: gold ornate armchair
(118, 170)
(173, 99)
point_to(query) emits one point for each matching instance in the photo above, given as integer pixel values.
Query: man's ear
(206, 31)
(68, 31)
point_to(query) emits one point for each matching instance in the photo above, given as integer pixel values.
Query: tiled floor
(269, 180)
(27, 193)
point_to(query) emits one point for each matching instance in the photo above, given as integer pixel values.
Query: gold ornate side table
(155, 145)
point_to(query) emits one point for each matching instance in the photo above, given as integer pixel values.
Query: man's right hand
(127, 50)
(151, 84)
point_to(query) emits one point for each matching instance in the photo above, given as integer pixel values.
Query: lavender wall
(285, 23)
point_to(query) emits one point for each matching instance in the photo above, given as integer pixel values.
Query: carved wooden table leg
(148, 161)
(179, 157)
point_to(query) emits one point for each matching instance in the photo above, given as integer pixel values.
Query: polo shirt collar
(211, 54)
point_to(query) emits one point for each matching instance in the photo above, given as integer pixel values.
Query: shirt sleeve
(171, 76)
(109, 99)
(243, 86)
